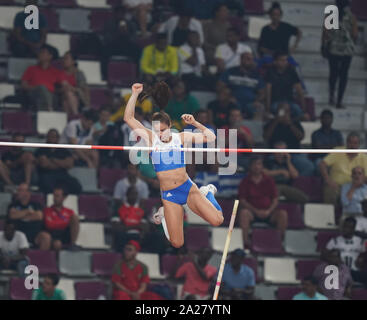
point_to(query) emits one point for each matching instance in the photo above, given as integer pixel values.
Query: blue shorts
(178, 195)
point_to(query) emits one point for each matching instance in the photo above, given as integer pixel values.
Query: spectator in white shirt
(228, 55)
(80, 131)
(13, 249)
(123, 185)
(361, 226)
(179, 26)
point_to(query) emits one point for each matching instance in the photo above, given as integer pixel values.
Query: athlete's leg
(199, 204)
(173, 214)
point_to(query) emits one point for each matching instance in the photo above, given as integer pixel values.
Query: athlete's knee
(177, 243)
(217, 220)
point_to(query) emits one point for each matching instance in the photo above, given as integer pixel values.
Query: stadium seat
(323, 238)
(265, 292)
(70, 202)
(295, 215)
(266, 241)
(204, 97)
(310, 107)
(52, 17)
(148, 204)
(74, 20)
(99, 97)
(306, 268)
(109, 177)
(103, 263)
(168, 263)
(151, 260)
(91, 236)
(47, 120)
(98, 19)
(227, 207)
(17, 66)
(94, 207)
(287, 293)
(7, 15)
(3, 43)
(122, 73)
(75, 263)
(197, 238)
(301, 242)
(87, 178)
(17, 289)
(6, 89)
(92, 290)
(359, 8)
(309, 128)
(62, 3)
(17, 122)
(312, 186)
(359, 294)
(92, 3)
(254, 6)
(252, 263)
(255, 26)
(319, 216)
(45, 261)
(5, 200)
(219, 236)
(280, 270)
(60, 41)
(67, 285)
(92, 71)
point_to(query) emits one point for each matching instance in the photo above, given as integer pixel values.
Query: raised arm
(205, 135)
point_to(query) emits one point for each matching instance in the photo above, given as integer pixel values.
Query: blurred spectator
(339, 47)
(61, 223)
(27, 216)
(130, 137)
(280, 167)
(238, 282)
(179, 26)
(309, 290)
(218, 109)
(159, 60)
(202, 9)
(284, 128)
(53, 165)
(215, 31)
(198, 274)
(181, 103)
(192, 63)
(281, 81)
(247, 86)
(80, 131)
(132, 179)
(48, 290)
(361, 226)
(38, 82)
(345, 279)
(349, 245)
(25, 42)
(75, 91)
(275, 36)
(118, 39)
(336, 168)
(129, 225)
(228, 54)
(102, 125)
(130, 277)
(141, 10)
(354, 192)
(259, 200)
(326, 137)
(19, 164)
(13, 249)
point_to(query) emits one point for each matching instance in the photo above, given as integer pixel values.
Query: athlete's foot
(158, 218)
(209, 188)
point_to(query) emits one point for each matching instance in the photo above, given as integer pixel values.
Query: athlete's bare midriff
(172, 179)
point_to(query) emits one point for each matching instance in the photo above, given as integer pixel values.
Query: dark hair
(279, 143)
(139, 111)
(73, 56)
(342, 4)
(234, 30)
(326, 112)
(353, 134)
(55, 130)
(185, 12)
(54, 278)
(350, 220)
(254, 158)
(9, 221)
(131, 189)
(63, 188)
(279, 54)
(218, 7)
(89, 115)
(275, 6)
(163, 117)
(160, 93)
(311, 279)
(161, 36)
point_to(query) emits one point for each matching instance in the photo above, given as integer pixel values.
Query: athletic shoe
(209, 188)
(158, 218)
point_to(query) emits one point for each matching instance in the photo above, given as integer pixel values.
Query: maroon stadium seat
(39, 197)
(62, 3)
(306, 268)
(252, 263)
(312, 186)
(17, 122)
(310, 107)
(359, 294)
(168, 262)
(90, 290)
(287, 293)
(359, 8)
(197, 238)
(114, 3)
(254, 6)
(323, 238)
(44, 260)
(122, 73)
(52, 18)
(266, 241)
(93, 207)
(2, 224)
(149, 204)
(227, 207)
(103, 262)
(99, 97)
(98, 19)
(109, 177)
(295, 217)
(18, 291)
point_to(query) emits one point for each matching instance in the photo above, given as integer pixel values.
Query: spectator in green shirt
(309, 290)
(48, 290)
(181, 103)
